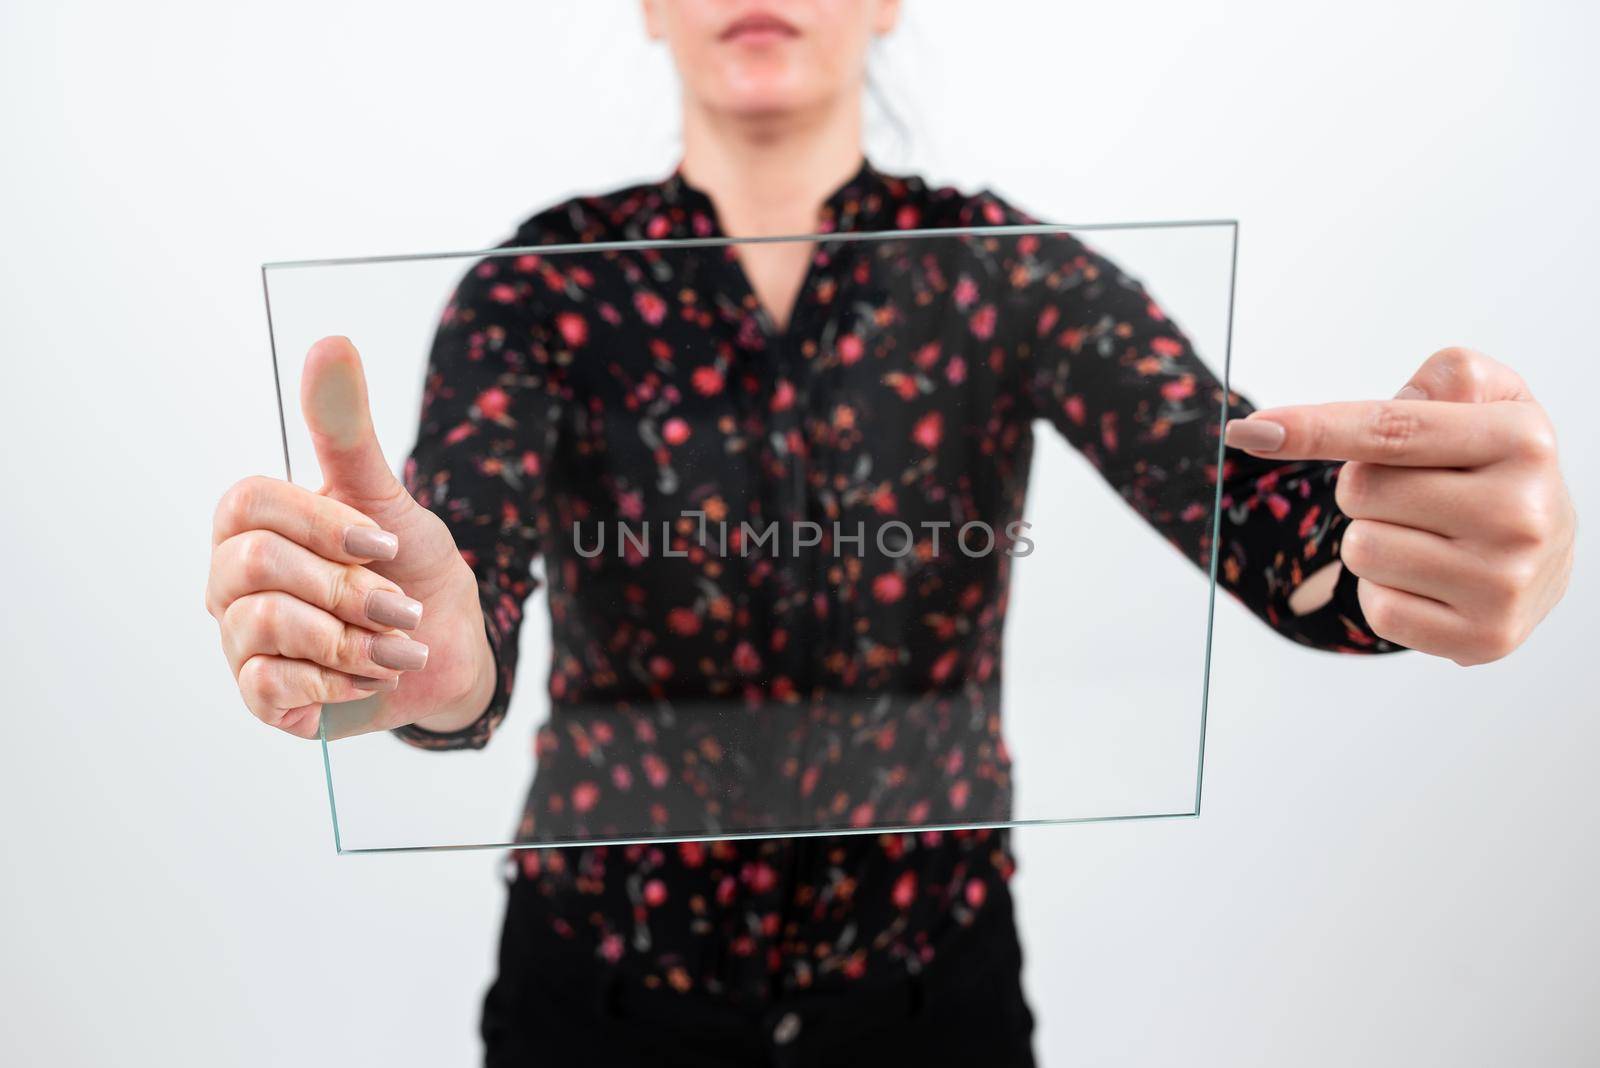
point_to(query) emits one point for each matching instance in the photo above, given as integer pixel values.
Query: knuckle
(1534, 439)
(265, 615)
(243, 501)
(1391, 430)
(315, 527)
(330, 684)
(1352, 491)
(1379, 609)
(258, 683)
(235, 502)
(1513, 578)
(1529, 516)
(346, 645)
(1357, 546)
(257, 557)
(1497, 640)
(342, 592)
(1460, 367)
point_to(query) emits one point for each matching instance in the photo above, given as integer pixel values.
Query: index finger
(329, 528)
(1402, 433)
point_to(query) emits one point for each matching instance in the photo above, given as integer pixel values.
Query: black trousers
(554, 1004)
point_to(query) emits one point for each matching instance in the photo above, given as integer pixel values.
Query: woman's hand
(1461, 528)
(352, 592)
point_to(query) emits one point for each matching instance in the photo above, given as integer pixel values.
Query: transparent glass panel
(930, 550)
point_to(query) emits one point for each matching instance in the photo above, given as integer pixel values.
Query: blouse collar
(865, 201)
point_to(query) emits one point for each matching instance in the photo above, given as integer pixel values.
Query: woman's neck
(771, 175)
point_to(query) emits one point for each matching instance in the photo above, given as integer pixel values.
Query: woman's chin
(766, 102)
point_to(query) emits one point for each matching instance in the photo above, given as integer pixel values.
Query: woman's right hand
(355, 591)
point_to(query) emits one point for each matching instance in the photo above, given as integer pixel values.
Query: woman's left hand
(1461, 529)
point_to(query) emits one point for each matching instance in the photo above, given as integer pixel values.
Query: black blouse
(641, 387)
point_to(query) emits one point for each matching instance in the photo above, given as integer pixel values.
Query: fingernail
(1257, 435)
(1411, 393)
(389, 609)
(361, 682)
(370, 543)
(399, 652)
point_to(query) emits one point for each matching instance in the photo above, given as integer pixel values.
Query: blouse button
(787, 1029)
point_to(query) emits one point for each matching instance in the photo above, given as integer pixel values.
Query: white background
(1397, 860)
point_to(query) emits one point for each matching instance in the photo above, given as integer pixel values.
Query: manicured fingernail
(399, 652)
(1257, 435)
(389, 609)
(370, 543)
(361, 682)
(1411, 393)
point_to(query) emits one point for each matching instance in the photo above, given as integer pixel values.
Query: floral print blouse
(644, 387)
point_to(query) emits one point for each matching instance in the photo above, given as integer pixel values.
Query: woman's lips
(758, 29)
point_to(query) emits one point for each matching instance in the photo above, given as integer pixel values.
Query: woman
(1448, 531)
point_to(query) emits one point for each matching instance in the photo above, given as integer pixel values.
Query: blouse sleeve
(487, 434)
(1122, 383)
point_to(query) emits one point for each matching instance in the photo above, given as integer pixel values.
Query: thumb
(333, 397)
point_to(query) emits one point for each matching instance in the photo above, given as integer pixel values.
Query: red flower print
(493, 403)
(902, 384)
(746, 661)
(651, 307)
(655, 894)
(501, 293)
(966, 292)
(1178, 389)
(675, 431)
(707, 381)
(760, 877)
(585, 796)
(982, 322)
(683, 622)
(783, 396)
(1047, 319)
(1165, 346)
(929, 431)
(888, 587)
(907, 217)
(574, 330)
(976, 892)
(904, 894)
(850, 349)
(655, 770)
